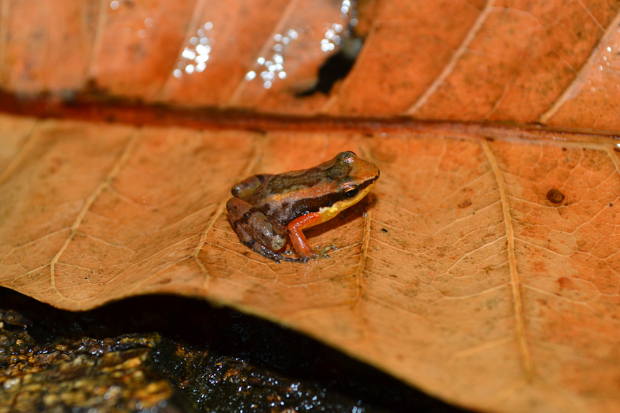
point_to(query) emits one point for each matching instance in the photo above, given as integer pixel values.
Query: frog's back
(293, 194)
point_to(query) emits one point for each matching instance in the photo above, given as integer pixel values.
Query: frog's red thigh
(298, 239)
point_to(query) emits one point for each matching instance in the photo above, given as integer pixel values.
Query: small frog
(267, 208)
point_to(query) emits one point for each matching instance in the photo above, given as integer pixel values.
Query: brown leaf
(461, 275)
(553, 62)
(483, 269)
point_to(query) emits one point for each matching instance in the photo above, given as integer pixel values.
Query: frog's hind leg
(256, 232)
(246, 188)
(250, 242)
(266, 252)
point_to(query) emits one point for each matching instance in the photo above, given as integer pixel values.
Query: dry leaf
(485, 267)
(484, 271)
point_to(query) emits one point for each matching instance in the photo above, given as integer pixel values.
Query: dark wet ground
(172, 354)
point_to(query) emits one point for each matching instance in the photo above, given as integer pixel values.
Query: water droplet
(208, 25)
(142, 33)
(260, 60)
(282, 75)
(250, 75)
(277, 58)
(114, 5)
(201, 66)
(292, 34)
(267, 84)
(353, 22)
(285, 40)
(608, 49)
(148, 22)
(277, 37)
(203, 49)
(193, 40)
(189, 69)
(277, 48)
(188, 54)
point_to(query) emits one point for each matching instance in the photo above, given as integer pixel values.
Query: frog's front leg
(256, 231)
(298, 239)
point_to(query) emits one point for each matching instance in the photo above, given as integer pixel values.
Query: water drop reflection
(196, 54)
(273, 67)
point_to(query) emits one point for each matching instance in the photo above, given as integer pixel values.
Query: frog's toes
(322, 252)
(277, 242)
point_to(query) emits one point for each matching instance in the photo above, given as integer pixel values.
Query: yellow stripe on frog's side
(328, 213)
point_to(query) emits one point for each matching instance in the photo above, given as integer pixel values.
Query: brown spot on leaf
(566, 284)
(465, 203)
(555, 196)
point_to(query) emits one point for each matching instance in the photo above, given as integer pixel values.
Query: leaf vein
(455, 58)
(580, 78)
(514, 277)
(87, 204)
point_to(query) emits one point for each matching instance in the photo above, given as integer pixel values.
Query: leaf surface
(554, 62)
(484, 271)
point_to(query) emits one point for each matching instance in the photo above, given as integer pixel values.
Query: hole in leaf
(336, 67)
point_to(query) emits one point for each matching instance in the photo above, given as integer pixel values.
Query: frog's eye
(347, 157)
(350, 191)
